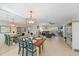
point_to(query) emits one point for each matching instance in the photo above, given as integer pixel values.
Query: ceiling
(57, 13)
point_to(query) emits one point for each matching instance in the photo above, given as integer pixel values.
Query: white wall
(2, 40)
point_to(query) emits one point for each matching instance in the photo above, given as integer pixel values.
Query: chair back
(22, 43)
(30, 43)
(7, 39)
(31, 46)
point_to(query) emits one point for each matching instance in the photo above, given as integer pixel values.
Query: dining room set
(28, 44)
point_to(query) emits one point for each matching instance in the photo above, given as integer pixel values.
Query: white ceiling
(49, 12)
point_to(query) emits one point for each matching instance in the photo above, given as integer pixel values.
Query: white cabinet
(72, 35)
(75, 35)
(68, 33)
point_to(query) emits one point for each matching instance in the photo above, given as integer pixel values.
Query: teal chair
(7, 39)
(31, 46)
(22, 46)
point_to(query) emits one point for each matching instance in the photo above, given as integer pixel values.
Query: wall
(5, 19)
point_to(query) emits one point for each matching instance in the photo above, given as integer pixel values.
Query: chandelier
(31, 21)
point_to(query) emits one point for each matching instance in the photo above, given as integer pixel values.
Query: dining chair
(31, 46)
(22, 45)
(7, 39)
(42, 38)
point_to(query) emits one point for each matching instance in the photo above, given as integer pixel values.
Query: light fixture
(12, 22)
(13, 25)
(31, 21)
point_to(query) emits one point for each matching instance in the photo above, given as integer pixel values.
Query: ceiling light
(31, 22)
(12, 23)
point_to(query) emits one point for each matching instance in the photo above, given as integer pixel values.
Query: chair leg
(19, 50)
(39, 49)
(32, 53)
(42, 47)
(26, 52)
(8, 42)
(23, 51)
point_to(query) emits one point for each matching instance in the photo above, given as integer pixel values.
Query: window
(5, 29)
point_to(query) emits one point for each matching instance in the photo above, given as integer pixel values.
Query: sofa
(48, 34)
